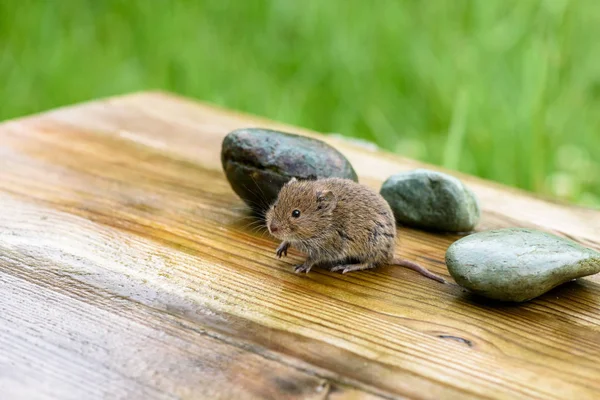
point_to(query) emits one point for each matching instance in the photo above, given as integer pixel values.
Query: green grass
(505, 89)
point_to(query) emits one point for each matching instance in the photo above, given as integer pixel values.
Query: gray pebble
(517, 264)
(431, 200)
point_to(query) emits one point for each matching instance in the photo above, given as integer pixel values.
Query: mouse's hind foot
(306, 267)
(345, 268)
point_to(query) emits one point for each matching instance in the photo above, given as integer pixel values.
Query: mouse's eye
(296, 213)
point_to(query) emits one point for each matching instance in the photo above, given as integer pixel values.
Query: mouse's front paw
(302, 268)
(282, 249)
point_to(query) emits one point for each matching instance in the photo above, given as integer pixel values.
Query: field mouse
(341, 226)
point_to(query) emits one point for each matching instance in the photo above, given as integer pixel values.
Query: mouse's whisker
(258, 229)
(264, 197)
(262, 203)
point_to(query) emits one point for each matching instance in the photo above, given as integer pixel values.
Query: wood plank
(180, 122)
(115, 219)
(56, 346)
(61, 337)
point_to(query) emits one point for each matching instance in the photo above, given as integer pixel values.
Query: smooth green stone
(258, 162)
(517, 264)
(431, 200)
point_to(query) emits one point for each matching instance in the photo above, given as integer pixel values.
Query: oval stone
(258, 162)
(517, 264)
(432, 200)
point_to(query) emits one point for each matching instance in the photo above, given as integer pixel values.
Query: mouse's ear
(292, 180)
(326, 200)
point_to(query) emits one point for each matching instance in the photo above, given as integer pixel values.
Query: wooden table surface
(130, 270)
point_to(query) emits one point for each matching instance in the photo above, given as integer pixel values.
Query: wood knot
(457, 339)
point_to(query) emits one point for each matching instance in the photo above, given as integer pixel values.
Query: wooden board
(129, 269)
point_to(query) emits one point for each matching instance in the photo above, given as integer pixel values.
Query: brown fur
(343, 226)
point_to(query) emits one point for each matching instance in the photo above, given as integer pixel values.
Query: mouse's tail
(416, 267)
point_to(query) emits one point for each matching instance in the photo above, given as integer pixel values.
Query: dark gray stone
(258, 162)
(517, 264)
(431, 200)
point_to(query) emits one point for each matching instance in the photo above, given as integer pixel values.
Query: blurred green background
(505, 89)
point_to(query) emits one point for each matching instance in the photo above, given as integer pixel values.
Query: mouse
(341, 225)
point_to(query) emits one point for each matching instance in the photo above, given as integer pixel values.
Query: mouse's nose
(273, 227)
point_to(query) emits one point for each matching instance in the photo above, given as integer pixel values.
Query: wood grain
(129, 269)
